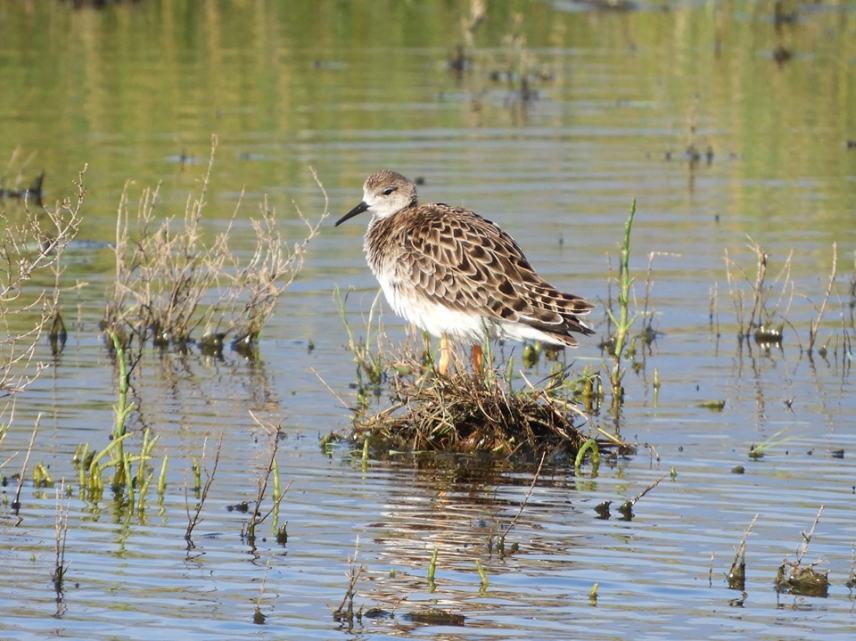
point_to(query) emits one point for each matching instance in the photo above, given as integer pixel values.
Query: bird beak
(359, 209)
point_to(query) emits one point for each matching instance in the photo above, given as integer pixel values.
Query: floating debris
(713, 405)
(435, 616)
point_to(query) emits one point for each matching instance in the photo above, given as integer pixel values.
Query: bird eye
(387, 192)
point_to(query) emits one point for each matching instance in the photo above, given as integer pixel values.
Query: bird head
(385, 193)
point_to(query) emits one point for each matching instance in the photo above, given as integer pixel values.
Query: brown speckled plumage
(433, 254)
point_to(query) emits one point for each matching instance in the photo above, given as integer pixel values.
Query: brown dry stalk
(31, 242)
(166, 273)
(758, 288)
(193, 520)
(466, 413)
(807, 536)
(815, 324)
(523, 505)
(345, 611)
(16, 504)
(257, 518)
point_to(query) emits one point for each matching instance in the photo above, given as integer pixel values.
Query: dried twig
(193, 520)
(736, 577)
(61, 532)
(257, 518)
(501, 543)
(169, 281)
(16, 504)
(798, 578)
(345, 611)
(30, 245)
(815, 324)
(626, 508)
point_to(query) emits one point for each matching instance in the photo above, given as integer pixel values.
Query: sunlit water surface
(135, 91)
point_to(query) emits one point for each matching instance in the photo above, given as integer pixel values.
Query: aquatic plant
(626, 508)
(760, 449)
(621, 322)
(593, 592)
(248, 530)
(736, 577)
(483, 580)
(764, 318)
(432, 570)
(344, 613)
(815, 323)
(795, 577)
(464, 413)
(170, 281)
(369, 360)
(16, 503)
(500, 544)
(193, 518)
(32, 242)
(60, 536)
(589, 446)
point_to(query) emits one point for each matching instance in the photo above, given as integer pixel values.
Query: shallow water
(135, 91)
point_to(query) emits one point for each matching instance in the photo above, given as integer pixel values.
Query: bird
(457, 275)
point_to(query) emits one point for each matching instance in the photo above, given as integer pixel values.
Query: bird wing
(456, 258)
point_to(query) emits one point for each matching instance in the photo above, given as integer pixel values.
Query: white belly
(438, 320)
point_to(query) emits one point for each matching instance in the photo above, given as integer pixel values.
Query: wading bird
(457, 275)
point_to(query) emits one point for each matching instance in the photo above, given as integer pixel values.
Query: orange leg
(445, 355)
(477, 359)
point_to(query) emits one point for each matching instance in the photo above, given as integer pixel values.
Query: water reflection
(721, 121)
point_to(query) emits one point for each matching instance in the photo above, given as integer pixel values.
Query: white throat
(383, 207)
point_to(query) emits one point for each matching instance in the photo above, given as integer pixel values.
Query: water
(136, 91)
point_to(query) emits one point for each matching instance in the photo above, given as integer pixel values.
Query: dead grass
(175, 288)
(466, 413)
(32, 243)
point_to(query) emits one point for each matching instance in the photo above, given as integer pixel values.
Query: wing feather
(458, 259)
